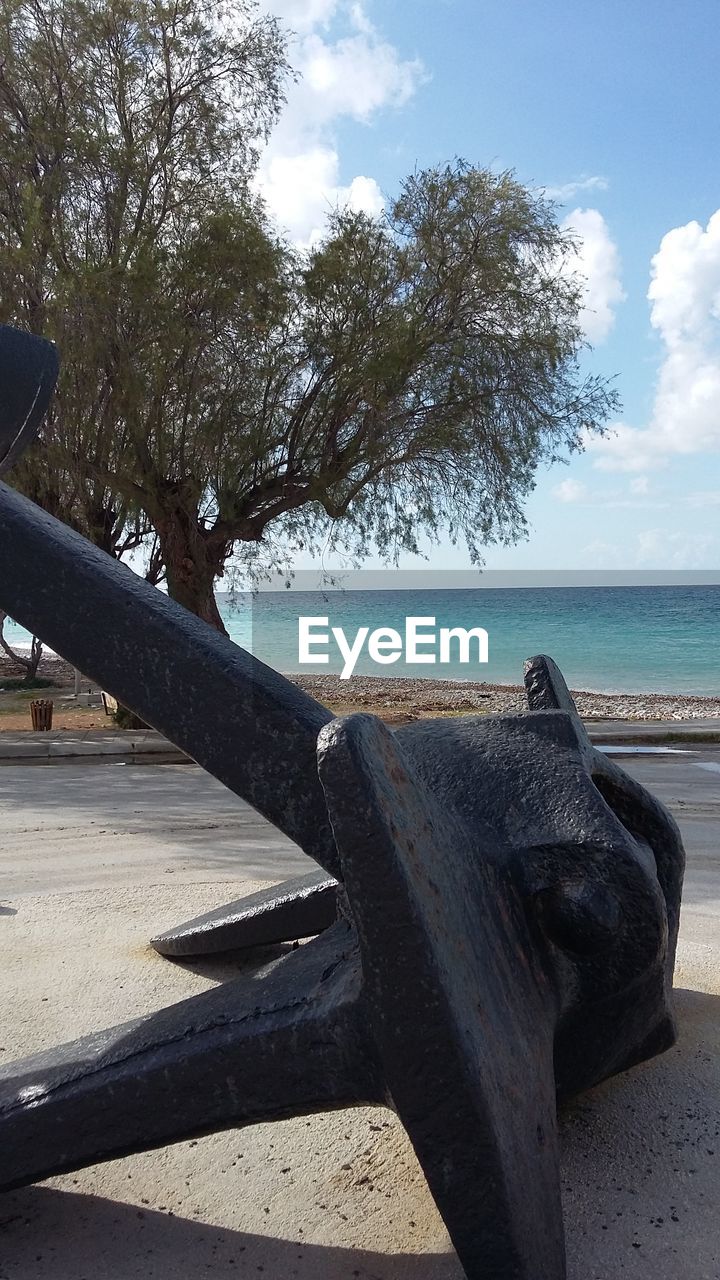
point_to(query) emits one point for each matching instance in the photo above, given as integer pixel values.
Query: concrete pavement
(74, 827)
(602, 731)
(58, 744)
(95, 860)
(688, 782)
(21, 744)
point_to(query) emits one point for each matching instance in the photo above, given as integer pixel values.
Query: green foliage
(124, 718)
(27, 682)
(218, 389)
(440, 362)
(128, 133)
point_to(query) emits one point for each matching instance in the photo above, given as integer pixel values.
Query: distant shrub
(126, 719)
(26, 682)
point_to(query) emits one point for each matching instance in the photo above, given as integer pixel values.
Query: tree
(29, 663)
(128, 133)
(438, 364)
(409, 375)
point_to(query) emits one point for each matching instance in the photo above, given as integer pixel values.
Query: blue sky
(613, 109)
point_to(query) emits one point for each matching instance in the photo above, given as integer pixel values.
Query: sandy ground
(313, 1199)
(336, 1197)
(73, 718)
(15, 704)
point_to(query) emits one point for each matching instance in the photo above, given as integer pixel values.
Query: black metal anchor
(496, 927)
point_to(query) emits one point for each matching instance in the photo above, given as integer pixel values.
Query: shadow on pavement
(48, 1233)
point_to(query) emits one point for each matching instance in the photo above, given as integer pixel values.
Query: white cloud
(303, 15)
(602, 555)
(703, 498)
(570, 491)
(569, 190)
(625, 449)
(346, 70)
(302, 189)
(653, 549)
(353, 77)
(597, 264)
(684, 294)
(632, 497)
(658, 549)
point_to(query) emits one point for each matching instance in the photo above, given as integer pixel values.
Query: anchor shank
(243, 722)
(28, 372)
(461, 1013)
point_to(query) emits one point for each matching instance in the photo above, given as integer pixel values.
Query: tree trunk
(191, 565)
(29, 664)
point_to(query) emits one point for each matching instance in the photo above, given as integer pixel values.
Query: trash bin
(41, 710)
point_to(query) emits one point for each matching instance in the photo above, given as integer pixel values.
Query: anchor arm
(241, 1053)
(298, 908)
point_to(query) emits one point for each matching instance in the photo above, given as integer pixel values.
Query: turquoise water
(623, 639)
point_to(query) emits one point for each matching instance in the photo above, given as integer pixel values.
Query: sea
(621, 639)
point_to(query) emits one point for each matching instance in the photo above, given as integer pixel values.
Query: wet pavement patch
(643, 751)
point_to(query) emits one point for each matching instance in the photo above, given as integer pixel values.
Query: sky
(612, 110)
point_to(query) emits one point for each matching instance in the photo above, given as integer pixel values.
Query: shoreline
(416, 697)
(423, 696)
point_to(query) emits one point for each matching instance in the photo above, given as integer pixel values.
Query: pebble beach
(400, 698)
(423, 697)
